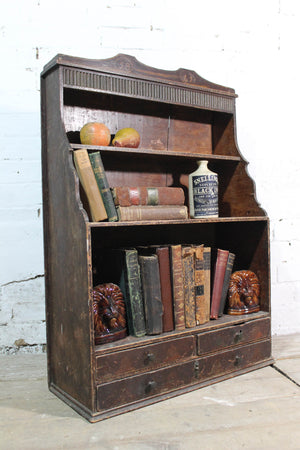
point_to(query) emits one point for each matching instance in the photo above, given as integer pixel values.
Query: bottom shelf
(133, 342)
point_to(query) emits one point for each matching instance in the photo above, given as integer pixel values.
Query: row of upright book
(171, 287)
(124, 203)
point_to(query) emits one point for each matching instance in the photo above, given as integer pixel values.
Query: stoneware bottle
(203, 192)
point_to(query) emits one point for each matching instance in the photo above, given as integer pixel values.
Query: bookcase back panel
(161, 127)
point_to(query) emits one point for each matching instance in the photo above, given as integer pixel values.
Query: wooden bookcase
(181, 118)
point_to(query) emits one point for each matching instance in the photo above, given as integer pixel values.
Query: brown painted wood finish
(181, 118)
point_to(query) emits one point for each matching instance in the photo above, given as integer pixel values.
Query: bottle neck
(202, 164)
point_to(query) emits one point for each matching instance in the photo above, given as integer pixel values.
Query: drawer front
(233, 360)
(214, 341)
(162, 381)
(127, 362)
(144, 386)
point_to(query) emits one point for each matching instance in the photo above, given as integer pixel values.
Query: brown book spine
(202, 309)
(207, 284)
(219, 273)
(189, 286)
(167, 212)
(89, 184)
(177, 286)
(128, 196)
(166, 287)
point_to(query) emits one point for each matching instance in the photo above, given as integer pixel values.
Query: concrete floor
(259, 410)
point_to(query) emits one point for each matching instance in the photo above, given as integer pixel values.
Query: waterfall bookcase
(182, 118)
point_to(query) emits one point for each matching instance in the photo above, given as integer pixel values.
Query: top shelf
(147, 151)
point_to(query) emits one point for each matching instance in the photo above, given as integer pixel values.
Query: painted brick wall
(251, 46)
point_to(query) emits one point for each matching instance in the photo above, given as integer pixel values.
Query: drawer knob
(150, 357)
(238, 336)
(237, 360)
(151, 385)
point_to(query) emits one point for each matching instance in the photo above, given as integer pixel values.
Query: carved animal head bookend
(243, 293)
(109, 313)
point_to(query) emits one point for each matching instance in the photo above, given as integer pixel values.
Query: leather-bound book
(130, 284)
(151, 293)
(160, 212)
(177, 286)
(166, 287)
(207, 282)
(88, 181)
(143, 195)
(228, 271)
(189, 286)
(99, 172)
(219, 273)
(201, 307)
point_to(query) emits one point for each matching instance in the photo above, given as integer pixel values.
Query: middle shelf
(160, 153)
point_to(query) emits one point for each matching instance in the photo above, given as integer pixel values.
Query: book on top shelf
(88, 181)
(151, 196)
(99, 172)
(160, 212)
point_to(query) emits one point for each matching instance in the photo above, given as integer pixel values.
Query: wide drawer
(166, 380)
(214, 341)
(127, 362)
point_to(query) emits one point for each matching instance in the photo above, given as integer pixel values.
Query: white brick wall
(251, 46)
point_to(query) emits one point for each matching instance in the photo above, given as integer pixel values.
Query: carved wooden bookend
(109, 313)
(243, 293)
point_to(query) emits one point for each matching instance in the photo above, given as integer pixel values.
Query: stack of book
(149, 203)
(169, 287)
(125, 203)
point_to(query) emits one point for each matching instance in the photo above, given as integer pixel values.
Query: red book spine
(151, 196)
(220, 268)
(166, 287)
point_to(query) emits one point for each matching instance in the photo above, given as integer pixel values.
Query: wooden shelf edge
(149, 151)
(177, 222)
(133, 342)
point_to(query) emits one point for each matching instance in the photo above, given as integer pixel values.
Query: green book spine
(98, 168)
(131, 284)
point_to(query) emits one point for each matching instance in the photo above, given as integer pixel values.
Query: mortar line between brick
(23, 281)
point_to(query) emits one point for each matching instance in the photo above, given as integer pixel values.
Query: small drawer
(233, 360)
(128, 362)
(213, 341)
(144, 386)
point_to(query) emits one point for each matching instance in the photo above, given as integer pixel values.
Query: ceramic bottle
(203, 192)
